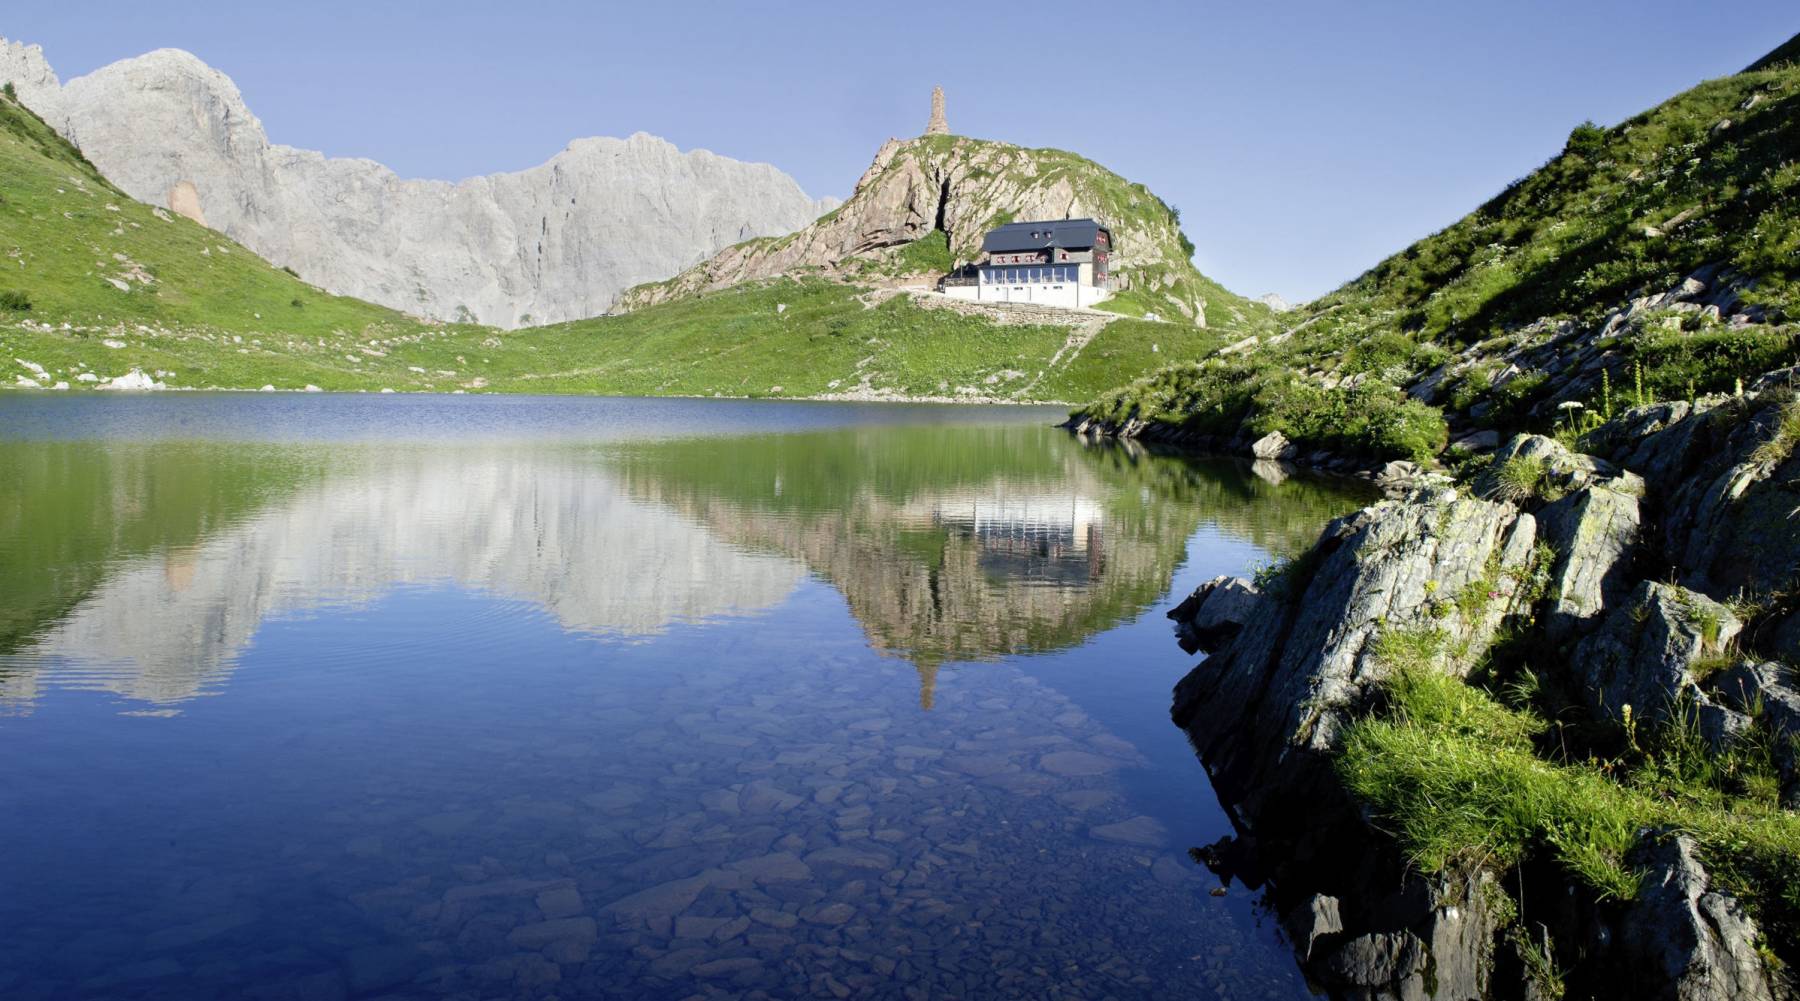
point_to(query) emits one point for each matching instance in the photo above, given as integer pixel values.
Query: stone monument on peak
(937, 126)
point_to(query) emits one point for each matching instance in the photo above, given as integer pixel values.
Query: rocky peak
(554, 242)
(963, 187)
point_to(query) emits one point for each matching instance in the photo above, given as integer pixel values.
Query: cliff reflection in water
(954, 544)
(164, 620)
(147, 569)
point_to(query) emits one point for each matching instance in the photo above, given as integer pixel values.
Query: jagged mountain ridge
(961, 187)
(554, 242)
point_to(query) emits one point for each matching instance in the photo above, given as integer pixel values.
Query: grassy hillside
(95, 285)
(814, 337)
(1707, 182)
(79, 250)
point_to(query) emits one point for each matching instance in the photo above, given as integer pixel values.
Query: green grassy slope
(69, 238)
(200, 311)
(1709, 177)
(816, 337)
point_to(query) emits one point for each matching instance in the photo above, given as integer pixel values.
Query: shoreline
(1340, 713)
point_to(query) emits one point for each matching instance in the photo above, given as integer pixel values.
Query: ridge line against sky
(1303, 142)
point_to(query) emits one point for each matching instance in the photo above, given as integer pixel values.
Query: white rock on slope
(555, 242)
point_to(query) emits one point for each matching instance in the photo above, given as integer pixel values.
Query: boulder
(1214, 612)
(1684, 941)
(133, 381)
(1396, 473)
(1771, 693)
(1313, 920)
(1273, 445)
(1441, 952)
(1564, 472)
(1480, 441)
(1594, 533)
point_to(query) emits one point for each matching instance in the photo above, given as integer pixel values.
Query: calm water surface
(315, 697)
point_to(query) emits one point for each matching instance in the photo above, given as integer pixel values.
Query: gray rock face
(1214, 612)
(555, 242)
(1291, 679)
(1316, 918)
(1593, 533)
(1725, 504)
(1685, 941)
(1643, 655)
(1441, 954)
(1768, 691)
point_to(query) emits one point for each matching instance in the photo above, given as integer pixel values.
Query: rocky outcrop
(1296, 661)
(555, 242)
(1723, 476)
(1215, 612)
(1641, 661)
(1684, 940)
(1270, 705)
(1585, 357)
(962, 187)
(1570, 564)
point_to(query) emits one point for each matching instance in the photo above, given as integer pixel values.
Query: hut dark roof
(1058, 234)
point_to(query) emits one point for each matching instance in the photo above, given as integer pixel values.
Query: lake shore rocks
(1294, 659)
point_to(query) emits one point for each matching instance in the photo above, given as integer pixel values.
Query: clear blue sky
(1302, 141)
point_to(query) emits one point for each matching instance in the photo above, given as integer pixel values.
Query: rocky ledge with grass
(1532, 734)
(1529, 728)
(1651, 260)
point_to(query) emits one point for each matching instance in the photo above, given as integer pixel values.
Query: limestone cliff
(555, 242)
(962, 187)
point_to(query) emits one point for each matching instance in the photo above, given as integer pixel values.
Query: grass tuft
(1462, 780)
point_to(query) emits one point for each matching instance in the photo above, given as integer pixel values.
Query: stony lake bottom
(315, 697)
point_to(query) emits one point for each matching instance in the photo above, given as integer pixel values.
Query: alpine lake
(343, 696)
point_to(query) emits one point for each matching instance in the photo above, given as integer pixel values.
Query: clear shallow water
(325, 697)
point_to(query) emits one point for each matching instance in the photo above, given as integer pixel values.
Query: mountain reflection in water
(948, 545)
